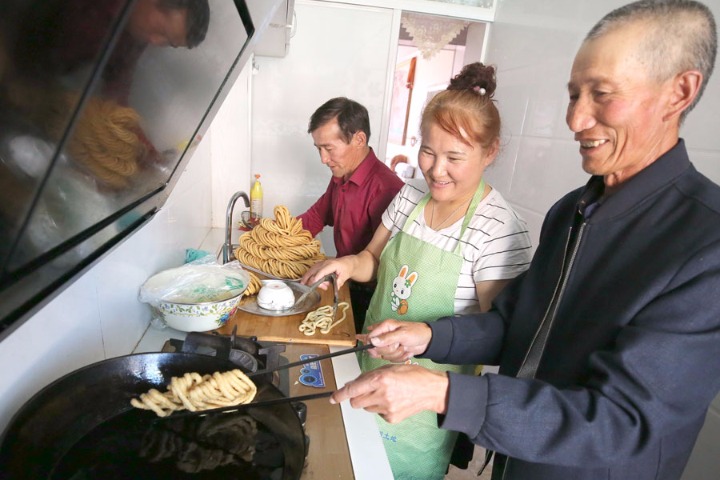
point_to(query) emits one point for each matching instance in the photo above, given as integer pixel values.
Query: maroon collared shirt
(354, 207)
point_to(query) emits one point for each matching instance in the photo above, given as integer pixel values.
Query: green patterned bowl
(198, 317)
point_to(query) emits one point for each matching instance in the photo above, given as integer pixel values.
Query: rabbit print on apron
(401, 290)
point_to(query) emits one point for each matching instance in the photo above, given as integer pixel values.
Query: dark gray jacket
(632, 360)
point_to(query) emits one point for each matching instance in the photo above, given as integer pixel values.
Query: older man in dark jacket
(609, 345)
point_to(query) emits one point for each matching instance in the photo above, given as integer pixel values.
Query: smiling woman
(446, 246)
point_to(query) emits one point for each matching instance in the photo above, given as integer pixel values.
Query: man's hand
(396, 392)
(397, 341)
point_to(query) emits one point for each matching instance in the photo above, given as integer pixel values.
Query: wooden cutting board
(285, 329)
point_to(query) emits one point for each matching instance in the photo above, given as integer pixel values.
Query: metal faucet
(227, 246)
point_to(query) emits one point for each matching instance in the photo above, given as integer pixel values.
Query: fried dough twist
(280, 247)
(195, 392)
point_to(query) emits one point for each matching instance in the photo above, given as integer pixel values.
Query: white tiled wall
(337, 50)
(533, 45)
(230, 149)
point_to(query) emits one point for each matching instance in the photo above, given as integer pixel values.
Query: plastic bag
(201, 281)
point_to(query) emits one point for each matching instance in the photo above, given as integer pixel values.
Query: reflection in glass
(101, 103)
(119, 73)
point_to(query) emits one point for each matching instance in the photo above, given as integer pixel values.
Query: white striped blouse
(496, 244)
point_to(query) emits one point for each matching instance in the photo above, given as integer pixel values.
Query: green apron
(417, 283)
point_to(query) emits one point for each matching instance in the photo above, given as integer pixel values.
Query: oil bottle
(256, 200)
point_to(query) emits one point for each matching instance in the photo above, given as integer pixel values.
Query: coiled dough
(323, 319)
(254, 286)
(195, 392)
(279, 247)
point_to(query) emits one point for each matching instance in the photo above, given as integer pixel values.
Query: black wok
(65, 417)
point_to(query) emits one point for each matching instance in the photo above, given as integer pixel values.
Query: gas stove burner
(244, 352)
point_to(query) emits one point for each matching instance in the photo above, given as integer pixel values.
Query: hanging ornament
(431, 33)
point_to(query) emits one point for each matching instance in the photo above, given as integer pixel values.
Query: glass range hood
(101, 105)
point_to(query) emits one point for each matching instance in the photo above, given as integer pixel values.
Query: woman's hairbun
(476, 77)
(466, 108)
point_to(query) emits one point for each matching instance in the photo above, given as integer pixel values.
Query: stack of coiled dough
(280, 247)
(196, 392)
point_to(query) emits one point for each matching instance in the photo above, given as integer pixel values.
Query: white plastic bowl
(275, 295)
(198, 317)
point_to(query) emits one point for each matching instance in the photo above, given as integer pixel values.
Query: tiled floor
(473, 467)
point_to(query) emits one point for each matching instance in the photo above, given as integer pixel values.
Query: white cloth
(496, 246)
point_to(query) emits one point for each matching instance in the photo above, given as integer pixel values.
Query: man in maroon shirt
(359, 191)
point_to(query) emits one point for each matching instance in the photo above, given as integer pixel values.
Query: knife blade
(330, 277)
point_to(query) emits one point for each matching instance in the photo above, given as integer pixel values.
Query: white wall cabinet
(276, 39)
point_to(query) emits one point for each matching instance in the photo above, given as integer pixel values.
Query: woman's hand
(397, 341)
(342, 267)
(361, 267)
(396, 392)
